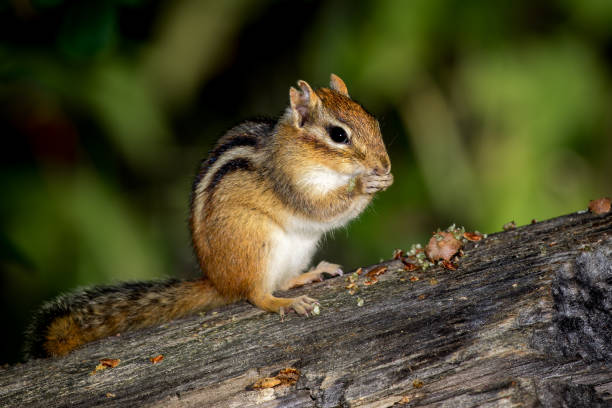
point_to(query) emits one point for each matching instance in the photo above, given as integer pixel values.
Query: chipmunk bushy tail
(74, 319)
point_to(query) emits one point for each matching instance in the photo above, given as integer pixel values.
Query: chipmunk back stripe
(229, 167)
(289, 181)
(216, 153)
(201, 192)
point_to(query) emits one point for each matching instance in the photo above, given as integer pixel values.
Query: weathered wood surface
(524, 321)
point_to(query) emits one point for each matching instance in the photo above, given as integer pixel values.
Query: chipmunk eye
(338, 135)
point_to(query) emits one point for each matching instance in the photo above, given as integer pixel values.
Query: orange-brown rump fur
(265, 195)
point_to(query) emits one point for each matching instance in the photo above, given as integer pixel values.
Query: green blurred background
(491, 111)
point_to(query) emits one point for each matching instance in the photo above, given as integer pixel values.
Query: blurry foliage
(491, 111)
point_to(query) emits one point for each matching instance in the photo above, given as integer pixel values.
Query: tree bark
(526, 320)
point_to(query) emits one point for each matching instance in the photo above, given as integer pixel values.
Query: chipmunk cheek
(349, 166)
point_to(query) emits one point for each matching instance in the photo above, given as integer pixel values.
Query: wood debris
(600, 206)
(106, 363)
(372, 275)
(157, 359)
(509, 226)
(286, 376)
(443, 246)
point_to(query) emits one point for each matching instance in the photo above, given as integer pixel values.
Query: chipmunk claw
(303, 305)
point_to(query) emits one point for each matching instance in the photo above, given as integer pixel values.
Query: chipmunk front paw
(373, 182)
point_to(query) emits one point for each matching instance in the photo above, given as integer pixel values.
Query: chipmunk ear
(303, 103)
(337, 84)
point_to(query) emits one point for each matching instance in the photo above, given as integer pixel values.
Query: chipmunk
(260, 202)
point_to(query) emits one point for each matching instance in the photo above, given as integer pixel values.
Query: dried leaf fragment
(443, 245)
(352, 279)
(110, 362)
(449, 265)
(110, 395)
(472, 236)
(372, 275)
(397, 254)
(371, 281)
(352, 288)
(376, 271)
(412, 397)
(600, 206)
(414, 278)
(286, 376)
(157, 359)
(267, 382)
(405, 399)
(408, 265)
(106, 363)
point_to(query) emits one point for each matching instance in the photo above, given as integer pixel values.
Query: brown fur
(230, 235)
(63, 336)
(253, 183)
(75, 319)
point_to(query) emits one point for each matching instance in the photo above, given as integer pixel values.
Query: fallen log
(525, 320)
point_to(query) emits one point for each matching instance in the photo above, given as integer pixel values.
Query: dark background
(491, 111)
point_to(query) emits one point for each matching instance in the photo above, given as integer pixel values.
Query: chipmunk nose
(388, 168)
(384, 167)
(382, 170)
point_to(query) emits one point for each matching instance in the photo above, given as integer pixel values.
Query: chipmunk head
(339, 134)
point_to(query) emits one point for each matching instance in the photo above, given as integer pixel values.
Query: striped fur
(260, 203)
(270, 191)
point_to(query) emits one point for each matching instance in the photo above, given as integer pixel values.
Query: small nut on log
(442, 246)
(600, 206)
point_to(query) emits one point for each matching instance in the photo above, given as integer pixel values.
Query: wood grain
(524, 321)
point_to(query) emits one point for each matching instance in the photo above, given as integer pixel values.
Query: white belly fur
(292, 248)
(290, 255)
